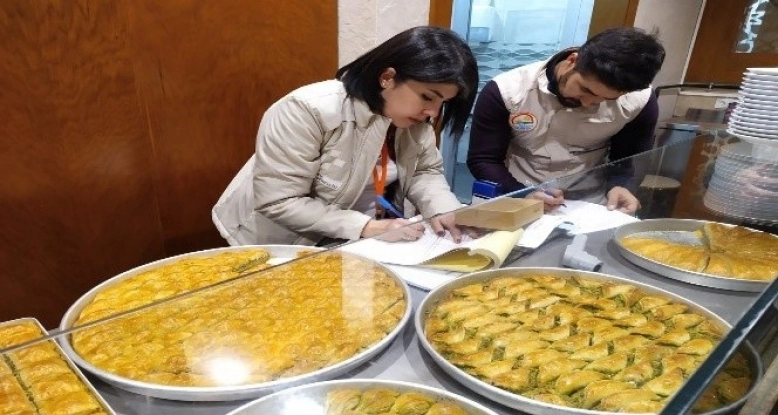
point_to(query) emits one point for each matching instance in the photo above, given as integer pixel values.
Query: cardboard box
(504, 214)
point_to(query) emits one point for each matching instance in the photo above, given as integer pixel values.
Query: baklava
(387, 401)
(287, 321)
(37, 380)
(579, 342)
(723, 250)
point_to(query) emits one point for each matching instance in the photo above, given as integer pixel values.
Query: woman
(326, 152)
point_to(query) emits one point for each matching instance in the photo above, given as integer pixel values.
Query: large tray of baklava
(36, 378)
(553, 341)
(702, 252)
(363, 397)
(236, 323)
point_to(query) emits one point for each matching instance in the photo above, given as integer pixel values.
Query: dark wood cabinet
(122, 123)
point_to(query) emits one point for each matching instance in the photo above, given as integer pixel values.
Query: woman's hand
(393, 230)
(622, 200)
(551, 199)
(447, 222)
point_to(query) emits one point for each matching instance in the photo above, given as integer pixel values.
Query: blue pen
(389, 207)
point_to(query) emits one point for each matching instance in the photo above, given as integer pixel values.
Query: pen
(548, 192)
(389, 207)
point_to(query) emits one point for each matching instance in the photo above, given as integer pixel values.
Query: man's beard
(565, 101)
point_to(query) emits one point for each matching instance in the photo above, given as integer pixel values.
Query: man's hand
(622, 200)
(551, 199)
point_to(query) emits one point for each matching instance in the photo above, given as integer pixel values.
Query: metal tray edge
(320, 388)
(534, 407)
(226, 393)
(689, 277)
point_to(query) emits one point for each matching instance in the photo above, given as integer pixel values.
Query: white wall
(677, 23)
(364, 24)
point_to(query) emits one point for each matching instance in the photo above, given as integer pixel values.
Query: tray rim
(221, 393)
(71, 364)
(536, 407)
(678, 274)
(402, 386)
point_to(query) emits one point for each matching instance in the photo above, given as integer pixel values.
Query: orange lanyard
(379, 182)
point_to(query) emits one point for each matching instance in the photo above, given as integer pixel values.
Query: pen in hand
(389, 207)
(547, 192)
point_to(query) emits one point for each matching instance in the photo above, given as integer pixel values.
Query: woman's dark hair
(624, 58)
(423, 54)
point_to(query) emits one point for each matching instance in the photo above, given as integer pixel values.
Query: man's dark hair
(624, 58)
(423, 54)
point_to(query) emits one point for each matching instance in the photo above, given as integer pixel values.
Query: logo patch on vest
(523, 121)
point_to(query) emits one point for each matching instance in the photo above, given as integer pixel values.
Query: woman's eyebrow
(436, 93)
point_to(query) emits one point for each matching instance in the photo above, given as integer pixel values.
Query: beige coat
(315, 152)
(551, 141)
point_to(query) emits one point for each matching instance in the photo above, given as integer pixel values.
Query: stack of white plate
(744, 183)
(755, 118)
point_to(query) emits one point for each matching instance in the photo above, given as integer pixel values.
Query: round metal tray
(691, 277)
(532, 406)
(311, 399)
(279, 254)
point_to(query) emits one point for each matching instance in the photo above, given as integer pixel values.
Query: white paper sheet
(584, 217)
(592, 217)
(407, 253)
(538, 231)
(581, 217)
(424, 278)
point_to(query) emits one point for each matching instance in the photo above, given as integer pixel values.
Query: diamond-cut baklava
(36, 380)
(287, 321)
(724, 250)
(388, 401)
(579, 342)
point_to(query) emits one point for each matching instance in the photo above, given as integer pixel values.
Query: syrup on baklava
(723, 250)
(381, 400)
(287, 321)
(36, 380)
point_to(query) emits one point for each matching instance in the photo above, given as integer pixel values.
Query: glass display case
(305, 328)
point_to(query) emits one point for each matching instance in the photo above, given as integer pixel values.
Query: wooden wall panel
(77, 200)
(441, 12)
(607, 14)
(712, 58)
(206, 73)
(124, 121)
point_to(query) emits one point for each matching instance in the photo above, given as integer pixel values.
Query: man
(555, 121)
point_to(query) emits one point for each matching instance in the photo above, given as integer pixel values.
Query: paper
(441, 252)
(591, 217)
(488, 252)
(537, 232)
(584, 217)
(422, 277)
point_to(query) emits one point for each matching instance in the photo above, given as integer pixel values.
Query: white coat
(315, 151)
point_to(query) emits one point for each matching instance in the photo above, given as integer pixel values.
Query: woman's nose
(432, 112)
